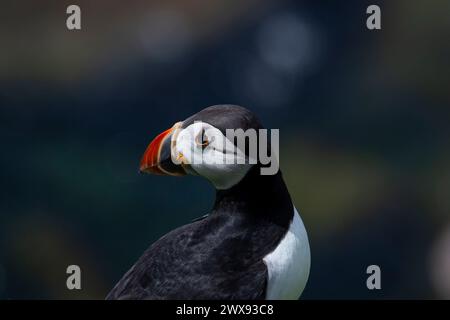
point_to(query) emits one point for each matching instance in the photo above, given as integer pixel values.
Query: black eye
(201, 139)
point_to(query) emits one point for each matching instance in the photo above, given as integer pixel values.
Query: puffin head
(200, 145)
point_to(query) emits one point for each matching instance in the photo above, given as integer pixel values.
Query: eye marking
(201, 139)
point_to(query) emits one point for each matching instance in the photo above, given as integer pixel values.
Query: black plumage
(220, 256)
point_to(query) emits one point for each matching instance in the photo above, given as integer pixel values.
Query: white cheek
(223, 176)
(221, 173)
(220, 162)
(186, 147)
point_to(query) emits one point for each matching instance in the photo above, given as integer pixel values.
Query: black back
(219, 257)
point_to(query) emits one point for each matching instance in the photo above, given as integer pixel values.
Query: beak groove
(157, 156)
(151, 157)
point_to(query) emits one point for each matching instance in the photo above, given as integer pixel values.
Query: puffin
(252, 245)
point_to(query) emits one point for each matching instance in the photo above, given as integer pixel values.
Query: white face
(210, 154)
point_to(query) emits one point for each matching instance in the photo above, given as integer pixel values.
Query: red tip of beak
(150, 159)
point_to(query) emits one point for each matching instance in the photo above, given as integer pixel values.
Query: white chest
(288, 265)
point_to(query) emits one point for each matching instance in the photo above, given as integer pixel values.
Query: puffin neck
(257, 196)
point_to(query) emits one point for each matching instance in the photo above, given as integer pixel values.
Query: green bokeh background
(363, 118)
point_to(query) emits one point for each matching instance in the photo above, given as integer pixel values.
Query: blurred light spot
(287, 43)
(440, 265)
(265, 87)
(165, 35)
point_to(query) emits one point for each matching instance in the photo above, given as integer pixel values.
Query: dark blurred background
(363, 118)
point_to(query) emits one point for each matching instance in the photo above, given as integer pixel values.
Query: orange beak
(157, 157)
